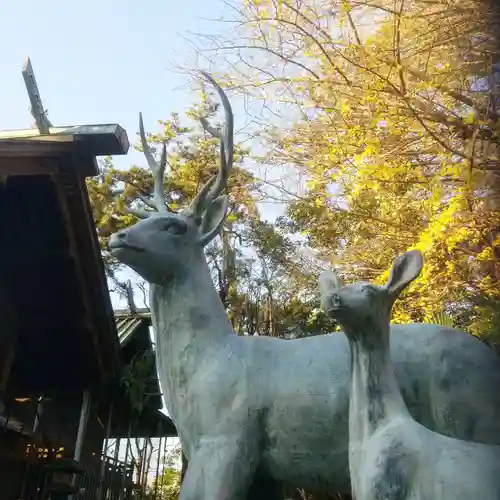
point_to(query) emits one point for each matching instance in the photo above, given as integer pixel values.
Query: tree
(394, 128)
(167, 485)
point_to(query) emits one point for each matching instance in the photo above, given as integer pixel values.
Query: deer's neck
(190, 323)
(188, 310)
(375, 395)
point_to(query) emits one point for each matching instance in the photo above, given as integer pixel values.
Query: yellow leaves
(120, 205)
(486, 254)
(438, 227)
(319, 202)
(401, 317)
(104, 220)
(311, 184)
(359, 159)
(400, 188)
(345, 7)
(129, 191)
(454, 170)
(345, 107)
(469, 118)
(372, 148)
(460, 235)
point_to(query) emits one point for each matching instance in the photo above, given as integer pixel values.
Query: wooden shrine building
(61, 359)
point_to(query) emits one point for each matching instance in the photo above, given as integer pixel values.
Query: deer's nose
(117, 240)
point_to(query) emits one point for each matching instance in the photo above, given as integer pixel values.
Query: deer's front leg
(222, 468)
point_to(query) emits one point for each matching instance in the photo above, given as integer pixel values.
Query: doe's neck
(375, 395)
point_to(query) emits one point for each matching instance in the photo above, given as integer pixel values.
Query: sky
(100, 61)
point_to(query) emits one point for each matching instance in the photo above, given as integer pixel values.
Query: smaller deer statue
(391, 456)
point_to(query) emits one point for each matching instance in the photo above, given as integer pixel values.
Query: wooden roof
(60, 318)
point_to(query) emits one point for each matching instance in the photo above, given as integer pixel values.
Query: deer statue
(391, 455)
(248, 406)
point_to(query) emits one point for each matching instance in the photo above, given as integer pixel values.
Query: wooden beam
(98, 140)
(64, 195)
(21, 148)
(84, 164)
(10, 167)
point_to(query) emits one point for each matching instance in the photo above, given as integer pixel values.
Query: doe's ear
(213, 219)
(329, 283)
(404, 270)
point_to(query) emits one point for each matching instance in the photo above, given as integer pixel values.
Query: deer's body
(243, 405)
(391, 455)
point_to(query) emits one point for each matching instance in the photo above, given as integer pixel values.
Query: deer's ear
(213, 218)
(404, 270)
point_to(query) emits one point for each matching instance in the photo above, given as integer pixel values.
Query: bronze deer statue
(391, 455)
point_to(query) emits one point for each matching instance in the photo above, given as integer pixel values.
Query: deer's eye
(174, 227)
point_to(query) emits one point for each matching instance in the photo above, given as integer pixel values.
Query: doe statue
(392, 456)
(246, 406)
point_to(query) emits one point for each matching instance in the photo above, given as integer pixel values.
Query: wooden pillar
(82, 425)
(102, 474)
(82, 428)
(127, 450)
(158, 459)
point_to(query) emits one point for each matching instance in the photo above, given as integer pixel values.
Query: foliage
(395, 128)
(275, 296)
(137, 380)
(167, 485)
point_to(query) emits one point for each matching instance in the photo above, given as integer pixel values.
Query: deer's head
(163, 244)
(360, 306)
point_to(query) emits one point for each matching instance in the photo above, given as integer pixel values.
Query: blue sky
(99, 61)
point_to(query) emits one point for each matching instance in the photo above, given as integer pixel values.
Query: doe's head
(359, 307)
(163, 244)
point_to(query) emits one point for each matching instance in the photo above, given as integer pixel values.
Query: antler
(158, 203)
(158, 169)
(216, 185)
